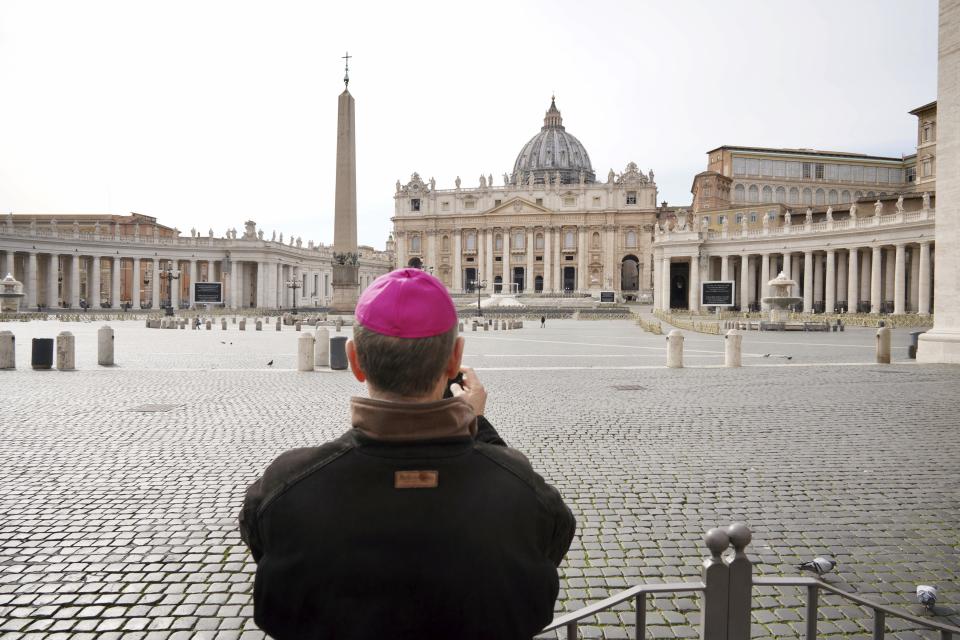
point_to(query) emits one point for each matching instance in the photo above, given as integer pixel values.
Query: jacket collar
(406, 421)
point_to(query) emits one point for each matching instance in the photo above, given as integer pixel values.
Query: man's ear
(456, 359)
(355, 362)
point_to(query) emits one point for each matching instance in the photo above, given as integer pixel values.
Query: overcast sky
(207, 114)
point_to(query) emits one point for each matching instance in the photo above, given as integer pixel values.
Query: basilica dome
(550, 151)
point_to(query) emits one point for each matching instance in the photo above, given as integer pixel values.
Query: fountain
(781, 288)
(11, 293)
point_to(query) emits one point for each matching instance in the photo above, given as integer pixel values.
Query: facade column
(914, 278)
(479, 258)
(853, 281)
(831, 296)
(115, 271)
(529, 283)
(194, 271)
(558, 265)
(693, 303)
(489, 239)
(808, 282)
(547, 260)
(900, 279)
(584, 282)
(505, 260)
(136, 284)
(400, 242)
(875, 291)
(74, 281)
(818, 280)
(457, 261)
(923, 305)
(95, 295)
(32, 281)
(155, 291)
(744, 283)
(432, 259)
(53, 282)
(765, 279)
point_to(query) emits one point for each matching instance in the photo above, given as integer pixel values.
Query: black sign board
(608, 296)
(717, 293)
(208, 292)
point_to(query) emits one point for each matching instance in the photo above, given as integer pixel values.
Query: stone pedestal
(66, 351)
(346, 288)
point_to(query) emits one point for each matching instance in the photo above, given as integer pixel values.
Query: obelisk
(346, 283)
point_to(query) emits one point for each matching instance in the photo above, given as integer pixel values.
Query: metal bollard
(105, 346)
(883, 345)
(675, 349)
(338, 353)
(305, 355)
(41, 356)
(732, 343)
(8, 352)
(321, 348)
(66, 351)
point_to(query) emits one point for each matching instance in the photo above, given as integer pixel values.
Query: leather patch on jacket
(416, 479)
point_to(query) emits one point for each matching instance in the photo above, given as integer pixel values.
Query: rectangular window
(831, 172)
(470, 259)
(856, 172)
(882, 175)
(794, 169)
(570, 258)
(753, 167)
(631, 197)
(819, 172)
(569, 202)
(469, 204)
(720, 219)
(445, 205)
(766, 168)
(739, 167)
(498, 259)
(539, 259)
(706, 220)
(807, 171)
(739, 218)
(779, 168)
(496, 203)
(753, 217)
(414, 204)
(540, 201)
(911, 174)
(844, 172)
(869, 174)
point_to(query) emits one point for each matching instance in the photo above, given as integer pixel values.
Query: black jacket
(417, 523)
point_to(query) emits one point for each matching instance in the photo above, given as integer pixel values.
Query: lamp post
(294, 284)
(479, 285)
(169, 275)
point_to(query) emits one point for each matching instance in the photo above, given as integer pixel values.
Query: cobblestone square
(116, 522)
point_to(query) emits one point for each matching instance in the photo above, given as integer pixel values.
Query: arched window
(781, 194)
(498, 242)
(518, 240)
(415, 243)
(870, 194)
(538, 242)
(767, 194)
(832, 197)
(794, 195)
(596, 240)
(859, 195)
(631, 239)
(471, 241)
(821, 196)
(568, 240)
(446, 244)
(754, 193)
(808, 196)
(739, 193)
(845, 196)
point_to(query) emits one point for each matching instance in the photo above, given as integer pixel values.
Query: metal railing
(726, 603)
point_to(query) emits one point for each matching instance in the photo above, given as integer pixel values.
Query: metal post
(641, 617)
(716, 578)
(572, 630)
(878, 624)
(741, 583)
(813, 592)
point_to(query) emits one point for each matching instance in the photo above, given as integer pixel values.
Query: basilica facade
(550, 228)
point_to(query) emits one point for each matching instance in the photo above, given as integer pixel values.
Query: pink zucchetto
(407, 303)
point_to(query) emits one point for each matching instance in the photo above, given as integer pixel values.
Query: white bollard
(209, 325)
(321, 350)
(259, 326)
(278, 324)
(298, 325)
(243, 324)
(105, 346)
(675, 349)
(883, 345)
(732, 343)
(8, 351)
(66, 353)
(305, 355)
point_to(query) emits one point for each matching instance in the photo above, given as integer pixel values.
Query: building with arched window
(551, 227)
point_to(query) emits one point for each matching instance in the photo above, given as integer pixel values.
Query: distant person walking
(543, 321)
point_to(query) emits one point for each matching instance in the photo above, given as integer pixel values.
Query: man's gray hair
(403, 366)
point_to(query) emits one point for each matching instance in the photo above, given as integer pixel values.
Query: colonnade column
(914, 278)
(889, 274)
(175, 286)
(853, 281)
(234, 280)
(457, 261)
(53, 282)
(807, 281)
(923, 306)
(765, 279)
(261, 284)
(875, 291)
(115, 282)
(193, 278)
(842, 271)
(529, 282)
(830, 300)
(75, 281)
(725, 267)
(694, 293)
(156, 284)
(899, 279)
(865, 274)
(744, 283)
(136, 284)
(547, 260)
(32, 281)
(818, 281)
(95, 296)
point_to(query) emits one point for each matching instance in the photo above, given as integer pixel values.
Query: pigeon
(270, 364)
(777, 355)
(818, 565)
(927, 596)
(222, 342)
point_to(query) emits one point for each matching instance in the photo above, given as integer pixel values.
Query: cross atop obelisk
(345, 271)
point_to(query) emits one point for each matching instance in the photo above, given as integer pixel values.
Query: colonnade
(877, 278)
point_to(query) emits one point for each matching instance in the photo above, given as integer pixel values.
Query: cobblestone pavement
(121, 523)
